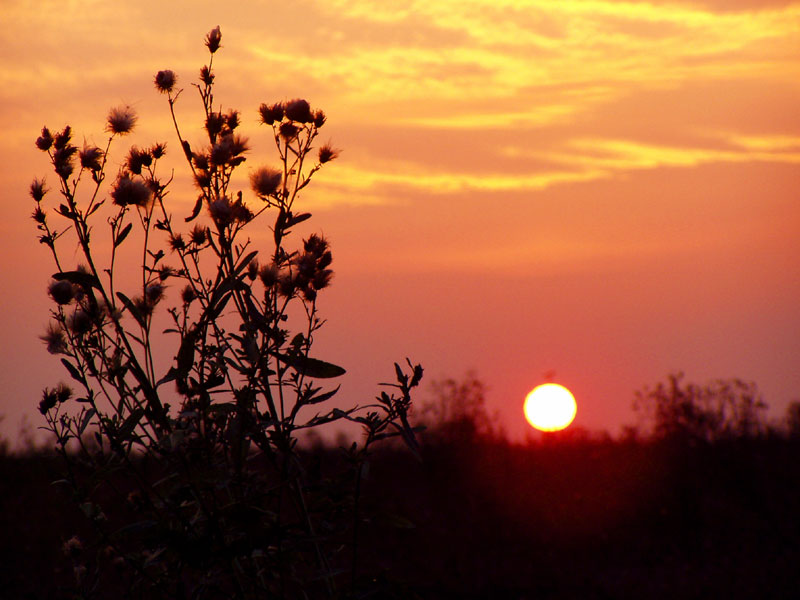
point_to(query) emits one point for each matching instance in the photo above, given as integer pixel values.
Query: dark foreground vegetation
(481, 518)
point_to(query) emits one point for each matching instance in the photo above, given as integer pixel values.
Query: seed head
(221, 211)
(90, 158)
(319, 119)
(154, 292)
(206, 76)
(38, 190)
(45, 141)
(165, 81)
(272, 113)
(268, 275)
(298, 110)
(288, 131)
(327, 153)
(80, 322)
(158, 150)
(48, 401)
(39, 215)
(54, 339)
(139, 158)
(265, 181)
(232, 119)
(187, 294)
(61, 291)
(241, 213)
(322, 279)
(213, 39)
(62, 139)
(200, 161)
(214, 123)
(121, 120)
(199, 235)
(62, 161)
(130, 192)
(176, 242)
(63, 392)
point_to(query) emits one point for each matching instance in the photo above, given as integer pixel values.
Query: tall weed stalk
(191, 471)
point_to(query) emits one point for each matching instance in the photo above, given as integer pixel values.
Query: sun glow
(550, 407)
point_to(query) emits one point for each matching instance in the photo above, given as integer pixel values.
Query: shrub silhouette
(458, 412)
(192, 475)
(723, 409)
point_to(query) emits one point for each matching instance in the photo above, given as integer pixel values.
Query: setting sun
(550, 407)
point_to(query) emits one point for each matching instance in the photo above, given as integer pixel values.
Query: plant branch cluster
(199, 461)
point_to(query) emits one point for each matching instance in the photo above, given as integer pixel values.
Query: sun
(550, 407)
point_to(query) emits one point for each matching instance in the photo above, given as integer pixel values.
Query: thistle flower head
(268, 275)
(327, 153)
(54, 339)
(62, 161)
(154, 292)
(265, 181)
(241, 213)
(176, 242)
(165, 81)
(298, 110)
(48, 401)
(139, 158)
(38, 189)
(271, 113)
(199, 235)
(39, 215)
(121, 120)
(221, 211)
(232, 119)
(45, 141)
(90, 158)
(61, 292)
(130, 192)
(158, 150)
(214, 123)
(63, 392)
(213, 39)
(188, 294)
(80, 322)
(319, 119)
(316, 244)
(288, 131)
(206, 76)
(62, 139)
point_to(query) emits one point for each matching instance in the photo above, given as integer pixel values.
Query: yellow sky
(607, 189)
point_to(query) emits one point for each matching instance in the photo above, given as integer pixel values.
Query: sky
(604, 190)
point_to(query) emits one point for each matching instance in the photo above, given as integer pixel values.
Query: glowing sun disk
(550, 407)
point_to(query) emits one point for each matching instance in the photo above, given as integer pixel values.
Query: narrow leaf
(122, 235)
(196, 210)
(73, 371)
(85, 280)
(85, 421)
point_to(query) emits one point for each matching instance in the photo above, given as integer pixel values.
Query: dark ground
(484, 519)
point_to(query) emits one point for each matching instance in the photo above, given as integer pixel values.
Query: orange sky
(605, 189)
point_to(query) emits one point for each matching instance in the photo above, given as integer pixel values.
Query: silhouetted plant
(194, 478)
(723, 409)
(793, 419)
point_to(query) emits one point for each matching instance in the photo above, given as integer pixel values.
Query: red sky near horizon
(607, 190)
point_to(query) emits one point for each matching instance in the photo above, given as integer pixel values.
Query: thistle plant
(190, 469)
